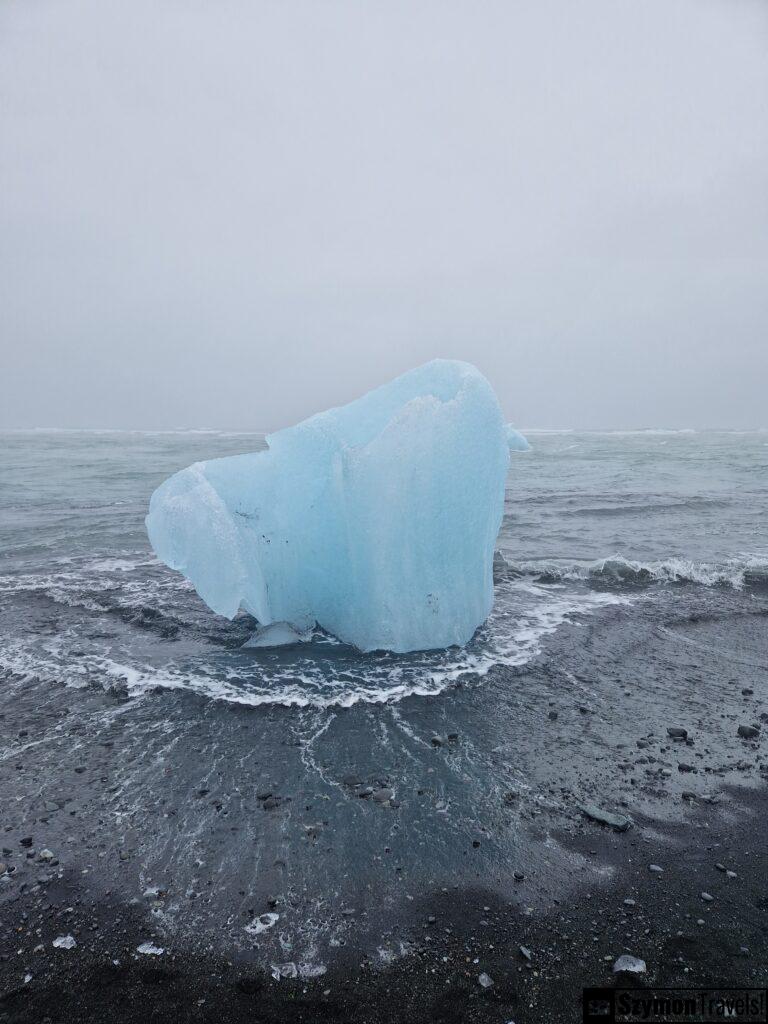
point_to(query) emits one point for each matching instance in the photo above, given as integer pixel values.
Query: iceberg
(376, 520)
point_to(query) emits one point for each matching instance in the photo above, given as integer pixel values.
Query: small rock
(64, 942)
(382, 796)
(720, 867)
(485, 980)
(656, 869)
(436, 741)
(676, 733)
(525, 953)
(552, 716)
(620, 822)
(707, 897)
(629, 903)
(731, 874)
(45, 855)
(518, 876)
(26, 841)
(683, 767)
(631, 964)
(748, 732)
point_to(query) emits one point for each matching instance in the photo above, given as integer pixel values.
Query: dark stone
(619, 822)
(677, 733)
(748, 732)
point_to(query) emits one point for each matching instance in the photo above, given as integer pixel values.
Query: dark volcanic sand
(234, 812)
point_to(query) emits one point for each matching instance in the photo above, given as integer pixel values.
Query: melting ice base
(376, 521)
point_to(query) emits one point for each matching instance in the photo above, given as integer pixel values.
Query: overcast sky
(235, 213)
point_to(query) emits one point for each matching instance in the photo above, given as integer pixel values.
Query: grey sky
(236, 213)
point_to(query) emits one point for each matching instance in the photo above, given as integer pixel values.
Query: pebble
(656, 868)
(707, 897)
(620, 822)
(485, 980)
(525, 953)
(748, 732)
(675, 732)
(64, 942)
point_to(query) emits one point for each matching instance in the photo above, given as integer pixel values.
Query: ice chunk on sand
(377, 520)
(277, 634)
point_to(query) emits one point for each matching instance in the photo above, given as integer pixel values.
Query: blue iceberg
(377, 520)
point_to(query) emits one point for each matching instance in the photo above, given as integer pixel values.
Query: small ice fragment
(276, 634)
(262, 923)
(312, 970)
(515, 440)
(149, 949)
(65, 942)
(631, 964)
(289, 970)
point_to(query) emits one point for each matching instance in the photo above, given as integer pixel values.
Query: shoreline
(407, 849)
(538, 962)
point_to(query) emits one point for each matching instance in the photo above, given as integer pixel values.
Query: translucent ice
(376, 520)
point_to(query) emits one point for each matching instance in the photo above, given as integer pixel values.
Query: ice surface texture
(376, 520)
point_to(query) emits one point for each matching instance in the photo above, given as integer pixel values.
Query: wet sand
(405, 849)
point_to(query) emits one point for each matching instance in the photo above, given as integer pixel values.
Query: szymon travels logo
(675, 1006)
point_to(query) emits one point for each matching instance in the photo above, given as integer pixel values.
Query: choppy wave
(738, 572)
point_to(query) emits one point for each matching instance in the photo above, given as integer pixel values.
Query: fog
(234, 214)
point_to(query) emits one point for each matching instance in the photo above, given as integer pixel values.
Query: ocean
(592, 520)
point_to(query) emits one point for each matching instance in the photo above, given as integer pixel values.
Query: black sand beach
(408, 850)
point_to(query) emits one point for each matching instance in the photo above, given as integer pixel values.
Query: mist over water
(593, 521)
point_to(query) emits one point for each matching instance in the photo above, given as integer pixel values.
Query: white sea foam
(321, 673)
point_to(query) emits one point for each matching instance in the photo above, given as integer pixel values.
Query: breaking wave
(617, 572)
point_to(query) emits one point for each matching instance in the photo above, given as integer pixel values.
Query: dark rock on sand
(748, 732)
(620, 822)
